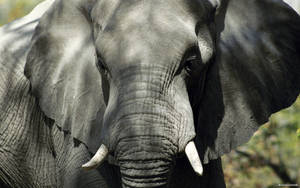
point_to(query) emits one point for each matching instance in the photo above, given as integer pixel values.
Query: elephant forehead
(142, 47)
(109, 13)
(143, 29)
(145, 17)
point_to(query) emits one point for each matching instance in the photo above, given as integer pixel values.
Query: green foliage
(277, 143)
(12, 9)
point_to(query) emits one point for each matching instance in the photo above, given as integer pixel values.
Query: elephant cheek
(186, 128)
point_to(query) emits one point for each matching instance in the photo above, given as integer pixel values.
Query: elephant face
(144, 78)
(148, 53)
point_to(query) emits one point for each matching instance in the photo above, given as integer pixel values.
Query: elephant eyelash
(190, 60)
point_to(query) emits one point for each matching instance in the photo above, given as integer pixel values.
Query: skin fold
(142, 79)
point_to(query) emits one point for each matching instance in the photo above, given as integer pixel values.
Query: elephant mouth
(141, 173)
(152, 172)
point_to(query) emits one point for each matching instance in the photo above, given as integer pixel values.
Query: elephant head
(149, 80)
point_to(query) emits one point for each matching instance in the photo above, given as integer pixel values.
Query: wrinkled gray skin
(143, 78)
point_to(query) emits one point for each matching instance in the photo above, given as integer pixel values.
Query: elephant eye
(191, 63)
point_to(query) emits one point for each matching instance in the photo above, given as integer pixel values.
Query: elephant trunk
(148, 167)
(147, 145)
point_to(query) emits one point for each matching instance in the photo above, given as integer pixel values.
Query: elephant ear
(61, 67)
(255, 73)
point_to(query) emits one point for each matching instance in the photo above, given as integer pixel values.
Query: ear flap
(256, 73)
(61, 67)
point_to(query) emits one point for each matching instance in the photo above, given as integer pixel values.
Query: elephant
(111, 93)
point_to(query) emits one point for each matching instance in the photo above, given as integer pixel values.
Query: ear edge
(75, 91)
(215, 134)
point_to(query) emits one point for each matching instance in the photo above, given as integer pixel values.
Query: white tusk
(192, 155)
(97, 159)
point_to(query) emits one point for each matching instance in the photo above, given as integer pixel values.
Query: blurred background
(270, 158)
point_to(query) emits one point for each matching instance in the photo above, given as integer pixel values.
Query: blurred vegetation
(271, 157)
(12, 9)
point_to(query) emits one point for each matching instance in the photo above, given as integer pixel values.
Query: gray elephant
(152, 89)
